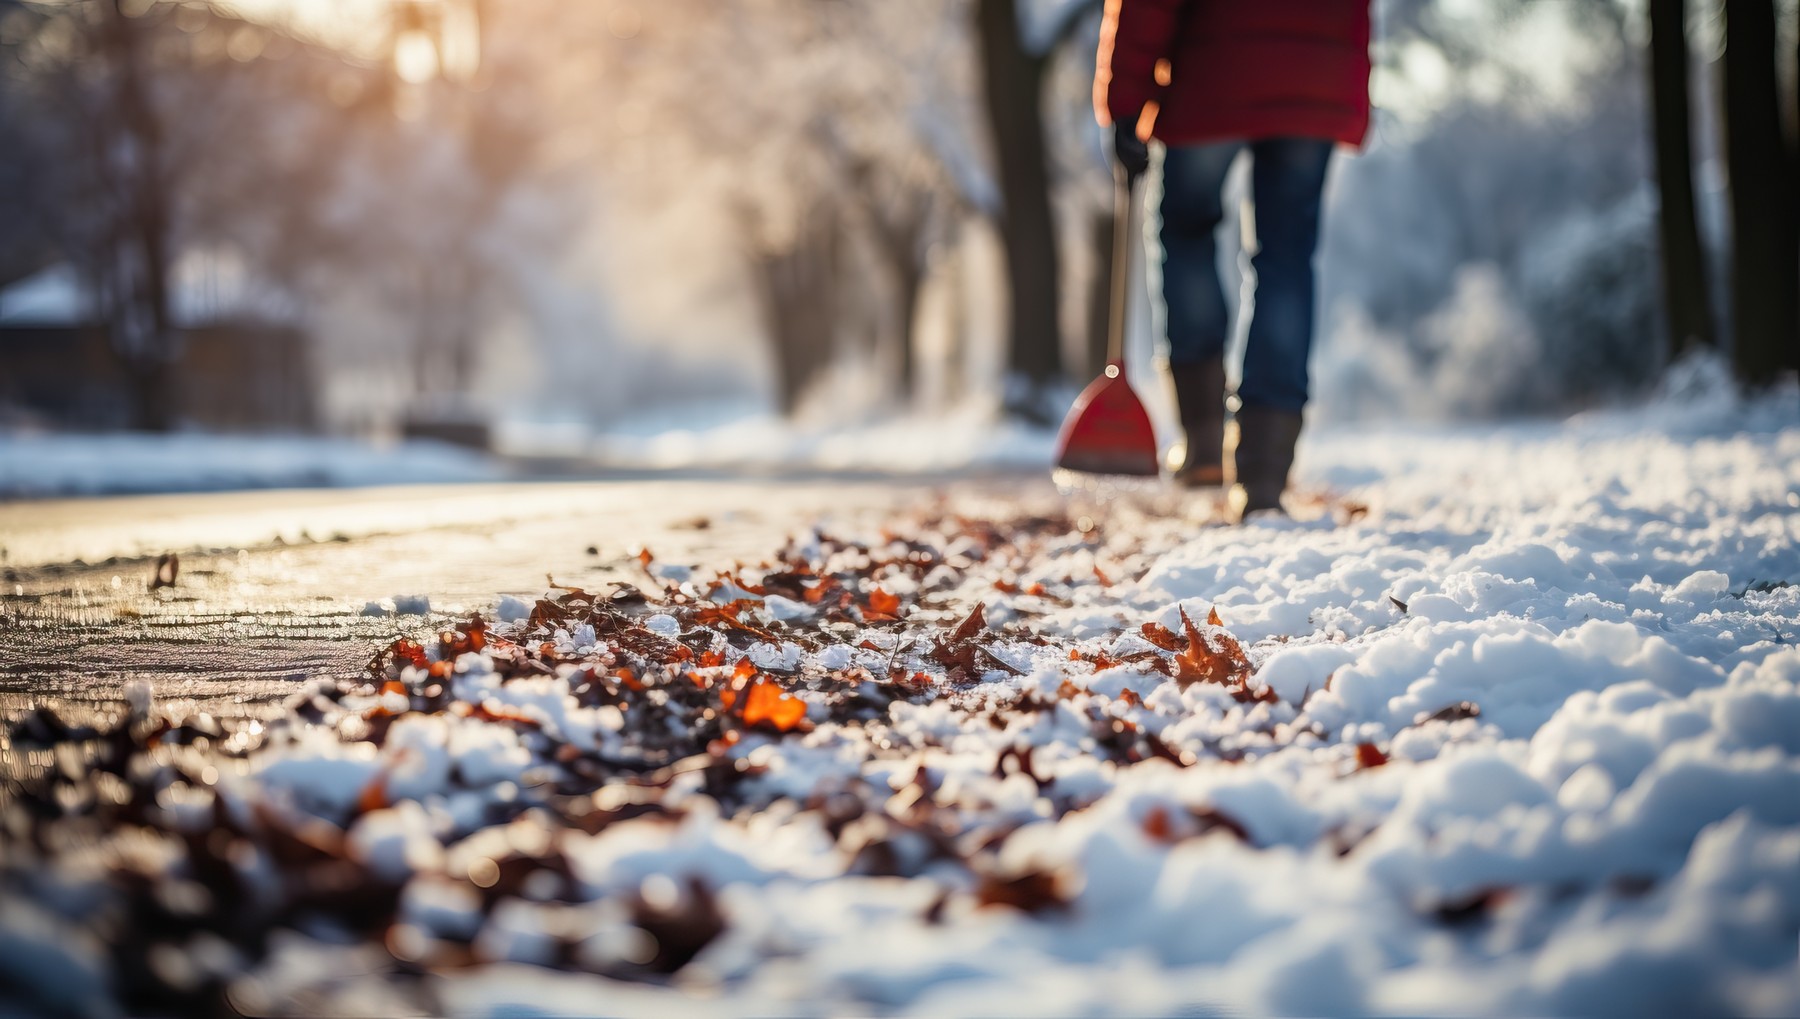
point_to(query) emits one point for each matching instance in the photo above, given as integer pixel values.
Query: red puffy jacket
(1211, 70)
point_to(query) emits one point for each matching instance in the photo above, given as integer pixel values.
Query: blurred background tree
(633, 216)
(1765, 175)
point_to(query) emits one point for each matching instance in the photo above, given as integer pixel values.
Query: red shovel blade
(1107, 431)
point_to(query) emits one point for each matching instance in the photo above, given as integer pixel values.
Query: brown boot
(1265, 454)
(1200, 399)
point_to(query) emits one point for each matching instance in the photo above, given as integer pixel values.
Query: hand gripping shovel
(1107, 431)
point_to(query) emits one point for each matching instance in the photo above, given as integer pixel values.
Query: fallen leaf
(1472, 907)
(1156, 825)
(1211, 819)
(1210, 658)
(374, 795)
(974, 623)
(680, 929)
(767, 703)
(1454, 713)
(1368, 755)
(1161, 636)
(883, 606)
(1032, 892)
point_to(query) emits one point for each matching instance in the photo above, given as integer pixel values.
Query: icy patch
(512, 610)
(412, 604)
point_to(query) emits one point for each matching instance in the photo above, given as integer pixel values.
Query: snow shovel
(1107, 432)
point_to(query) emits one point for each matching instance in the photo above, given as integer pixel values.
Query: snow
(37, 466)
(1522, 737)
(969, 436)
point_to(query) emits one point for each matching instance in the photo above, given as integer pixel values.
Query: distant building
(244, 362)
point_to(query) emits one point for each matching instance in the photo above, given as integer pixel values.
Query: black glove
(1133, 152)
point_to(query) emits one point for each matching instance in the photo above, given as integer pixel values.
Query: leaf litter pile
(762, 788)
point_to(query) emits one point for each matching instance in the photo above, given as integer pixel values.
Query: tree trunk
(1793, 348)
(909, 280)
(899, 249)
(142, 329)
(1685, 298)
(1013, 83)
(797, 291)
(1765, 238)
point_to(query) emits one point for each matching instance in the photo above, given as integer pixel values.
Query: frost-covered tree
(827, 137)
(1512, 136)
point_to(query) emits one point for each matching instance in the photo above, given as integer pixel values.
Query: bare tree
(1013, 75)
(1685, 299)
(1765, 237)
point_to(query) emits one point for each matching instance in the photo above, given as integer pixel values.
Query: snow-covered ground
(733, 436)
(1513, 727)
(46, 465)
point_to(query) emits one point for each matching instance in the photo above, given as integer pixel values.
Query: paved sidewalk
(276, 587)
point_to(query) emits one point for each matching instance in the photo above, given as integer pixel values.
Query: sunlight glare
(416, 58)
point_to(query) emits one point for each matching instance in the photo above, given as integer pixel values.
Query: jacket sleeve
(1137, 38)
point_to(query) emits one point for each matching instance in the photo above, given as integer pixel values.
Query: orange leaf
(393, 686)
(745, 669)
(407, 652)
(1161, 636)
(374, 795)
(1368, 755)
(711, 659)
(1100, 575)
(1212, 617)
(644, 558)
(496, 712)
(1218, 659)
(883, 605)
(766, 703)
(1156, 825)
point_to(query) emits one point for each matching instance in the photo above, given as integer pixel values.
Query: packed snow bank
(1514, 729)
(44, 465)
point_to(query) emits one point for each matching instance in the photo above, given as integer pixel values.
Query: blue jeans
(1287, 184)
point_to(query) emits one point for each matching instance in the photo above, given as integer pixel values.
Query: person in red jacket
(1286, 80)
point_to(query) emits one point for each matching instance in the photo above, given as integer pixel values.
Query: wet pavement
(279, 587)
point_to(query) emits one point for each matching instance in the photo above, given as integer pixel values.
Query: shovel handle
(1125, 241)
